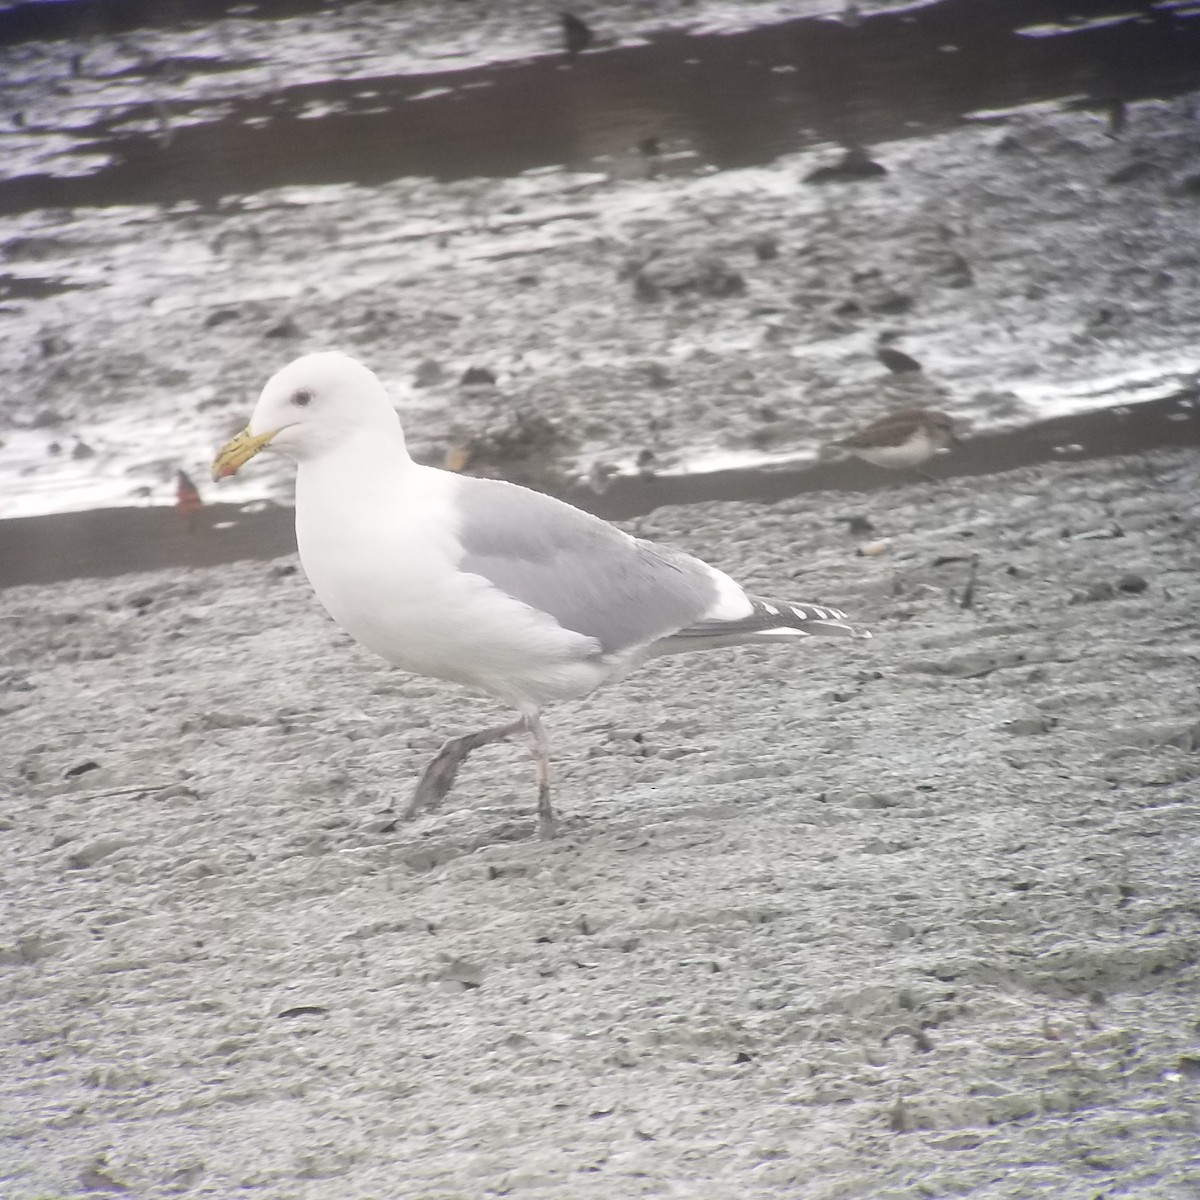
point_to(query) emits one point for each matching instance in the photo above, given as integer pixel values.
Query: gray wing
(587, 575)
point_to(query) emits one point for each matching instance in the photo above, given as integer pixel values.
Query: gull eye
(302, 398)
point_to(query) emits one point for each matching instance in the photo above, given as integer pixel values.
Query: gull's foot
(436, 780)
(438, 777)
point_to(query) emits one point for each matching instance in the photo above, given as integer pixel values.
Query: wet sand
(904, 918)
(908, 918)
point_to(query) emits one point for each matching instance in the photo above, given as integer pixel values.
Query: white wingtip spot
(771, 609)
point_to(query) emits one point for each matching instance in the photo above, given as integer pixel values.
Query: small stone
(46, 418)
(98, 1176)
(956, 271)
(477, 377)
(897, 361)
(81, 769)
(873, 549)
(680, 273)
(81, 451)
(766, 248)
(856, 163)
(302, 1010)
(382, 823)
(657, 375)
(1101, 590)
(1137, 168)
(644, 289)
(428, 373)
(963, 1140)
(468, 975)
(1188, 185)
(220, 316)
(1188, 1065)
(287, 328)
(871, 800)
(175, 791)
(1132, 582)
(1028, 726)
(94, 852)
(888, 301)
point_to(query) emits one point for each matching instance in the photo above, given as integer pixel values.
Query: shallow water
(225, 165)
(210, 131)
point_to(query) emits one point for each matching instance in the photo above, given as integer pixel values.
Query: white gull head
(318, 401)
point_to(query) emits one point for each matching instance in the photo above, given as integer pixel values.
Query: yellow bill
(239, 450)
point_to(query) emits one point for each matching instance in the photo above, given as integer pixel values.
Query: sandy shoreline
(896, 919)
(902, 919)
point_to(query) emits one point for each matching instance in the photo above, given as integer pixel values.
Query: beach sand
(903, 918)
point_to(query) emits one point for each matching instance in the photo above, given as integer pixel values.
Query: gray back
(587, 575)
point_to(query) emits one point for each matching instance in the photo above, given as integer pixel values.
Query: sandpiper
(903, 440)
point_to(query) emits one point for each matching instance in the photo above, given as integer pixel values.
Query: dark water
(731, 100)
(117, 541)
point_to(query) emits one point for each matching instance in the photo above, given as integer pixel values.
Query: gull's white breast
(381, 555)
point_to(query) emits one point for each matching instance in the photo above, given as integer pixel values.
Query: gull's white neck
(368, 465)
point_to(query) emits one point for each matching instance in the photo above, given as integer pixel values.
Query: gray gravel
(915, 917)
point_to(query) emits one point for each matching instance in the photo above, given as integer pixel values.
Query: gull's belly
(388, 598)
(404, 599)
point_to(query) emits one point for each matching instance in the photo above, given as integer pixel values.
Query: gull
(479, 581)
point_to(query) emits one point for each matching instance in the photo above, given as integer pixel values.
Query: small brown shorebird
(903, 440)
(187, 499)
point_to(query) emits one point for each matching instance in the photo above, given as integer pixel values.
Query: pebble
(81, 769)
(707, 274)
(428, 373)
(477, 377)
(897, 361)
(856, 163)
(1028, 726)
(468, 975)
(287, 328)
(1100, 590)
(766, 248)
(95, 851)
